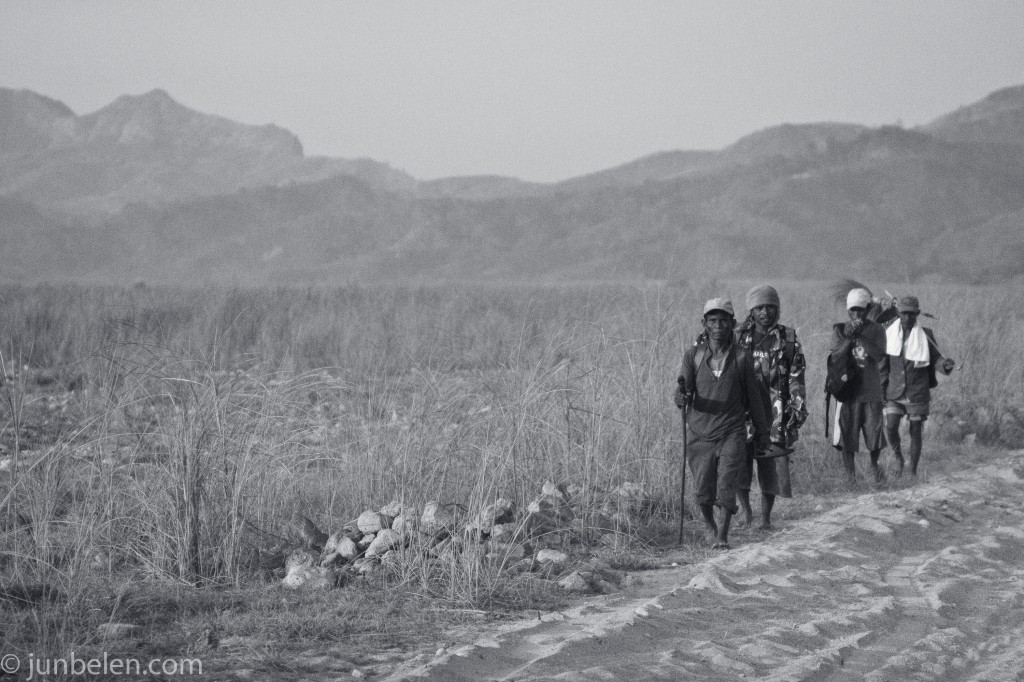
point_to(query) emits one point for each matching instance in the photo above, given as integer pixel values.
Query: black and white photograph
(529, 340)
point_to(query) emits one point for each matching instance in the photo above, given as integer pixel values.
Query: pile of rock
(537, 541)
(985, 425)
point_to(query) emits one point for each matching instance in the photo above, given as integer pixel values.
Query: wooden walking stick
(682, 486)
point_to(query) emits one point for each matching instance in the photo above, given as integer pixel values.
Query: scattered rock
(392, 509)
(384, 541)
(554, 557)
(630, 582)
(118, 630)
(316, 578)
(513, 550)
(434, 518)
(332, 560)
(371, 522)
(347, 548)
(504, 532)
(498, 512)
(1011, 429)
(574, 582)
(300, 558)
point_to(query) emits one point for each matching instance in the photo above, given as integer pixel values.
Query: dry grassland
(158, 442)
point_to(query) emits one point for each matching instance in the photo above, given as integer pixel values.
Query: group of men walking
(742, 390)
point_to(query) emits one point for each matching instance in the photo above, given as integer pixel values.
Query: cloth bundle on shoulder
(917, 344)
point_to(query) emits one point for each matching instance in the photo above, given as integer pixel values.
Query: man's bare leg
(875, 469)
(722, 541)
(850, 465)
(767, 503)
(892, 435)
(747, 516)
(916, 435)
(708, 512)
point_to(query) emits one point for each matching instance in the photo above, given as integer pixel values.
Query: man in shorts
(779, 363)
(864, 341)
(719, 387)
(908, 373)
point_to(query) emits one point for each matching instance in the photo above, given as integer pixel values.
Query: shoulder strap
(700, 357)
(789, 344)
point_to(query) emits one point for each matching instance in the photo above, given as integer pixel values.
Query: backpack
(842, 380)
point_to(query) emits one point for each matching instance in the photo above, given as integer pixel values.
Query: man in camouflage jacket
(779, 364)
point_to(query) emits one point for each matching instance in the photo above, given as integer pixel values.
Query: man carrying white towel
(908, 374)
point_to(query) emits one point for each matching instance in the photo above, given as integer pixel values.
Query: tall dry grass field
(167, 437)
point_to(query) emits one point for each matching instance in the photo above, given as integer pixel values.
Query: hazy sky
(539, 90)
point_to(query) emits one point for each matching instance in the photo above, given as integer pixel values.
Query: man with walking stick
(717, 388)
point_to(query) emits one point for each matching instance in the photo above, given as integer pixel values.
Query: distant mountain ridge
(149, 149)
(146, 188)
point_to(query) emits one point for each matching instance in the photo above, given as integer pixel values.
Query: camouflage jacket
(780, 366)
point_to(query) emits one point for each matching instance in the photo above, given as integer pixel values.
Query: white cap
(858, 298)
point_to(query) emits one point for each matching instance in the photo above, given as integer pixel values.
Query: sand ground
(921, 583)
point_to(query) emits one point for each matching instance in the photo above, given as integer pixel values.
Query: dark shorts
(715, 465)
(916, 412)
(861, 418)
(772, 474)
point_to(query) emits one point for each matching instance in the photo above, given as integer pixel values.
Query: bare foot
(711, 533)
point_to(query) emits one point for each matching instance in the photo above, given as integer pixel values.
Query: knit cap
(762, 294)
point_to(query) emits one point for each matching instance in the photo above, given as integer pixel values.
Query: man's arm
(942, 363)
(797, 407)
(883, 373)
(686, 382)
(872, 337)
(759, 408)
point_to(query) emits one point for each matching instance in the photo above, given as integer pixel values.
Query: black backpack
(842, 380)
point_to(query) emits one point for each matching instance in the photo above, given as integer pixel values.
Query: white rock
(574, 582)
(392, 509)
(311, 578)
(386, 539)
(552, 556)
(434, 518)
(500, 511)
(347, 548)
(118, 630)
(300, 558)
(371, 522)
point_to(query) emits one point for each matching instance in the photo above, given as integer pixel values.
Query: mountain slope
(149, 149)
(997, 119)
(174, 195)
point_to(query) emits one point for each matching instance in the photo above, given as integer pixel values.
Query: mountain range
(146, 189)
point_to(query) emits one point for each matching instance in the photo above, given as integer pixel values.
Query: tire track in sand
(920, 583)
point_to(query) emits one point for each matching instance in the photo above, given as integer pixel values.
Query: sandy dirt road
(921, 583)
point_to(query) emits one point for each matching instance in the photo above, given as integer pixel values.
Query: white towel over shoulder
(917, 343)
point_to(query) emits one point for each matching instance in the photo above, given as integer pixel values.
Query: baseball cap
(722, 304)
(908, 304)
(858, 298)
